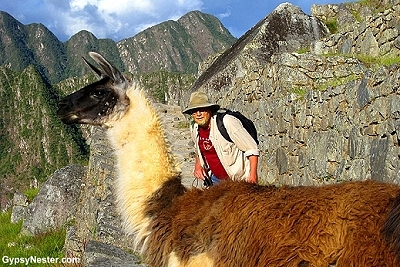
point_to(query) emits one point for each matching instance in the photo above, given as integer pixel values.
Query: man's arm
(253, 178)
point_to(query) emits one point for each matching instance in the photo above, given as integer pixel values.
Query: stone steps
(177, 130)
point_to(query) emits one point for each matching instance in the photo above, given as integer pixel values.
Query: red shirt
(210, 155)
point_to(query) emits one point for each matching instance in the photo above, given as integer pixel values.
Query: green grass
(45, 247)
(371, 61)
(334, 82)
(303, 50)
(368, 60)
(31, 193)
(301, 92)
(332, 25)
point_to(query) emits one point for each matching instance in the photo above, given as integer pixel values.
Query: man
(216, 157)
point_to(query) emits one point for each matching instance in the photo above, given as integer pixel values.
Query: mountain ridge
(177, 46)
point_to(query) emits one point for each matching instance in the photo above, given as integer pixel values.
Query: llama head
(98, 103)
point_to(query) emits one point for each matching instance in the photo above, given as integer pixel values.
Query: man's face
(202, 117)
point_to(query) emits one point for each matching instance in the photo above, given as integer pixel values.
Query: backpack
(247, 123)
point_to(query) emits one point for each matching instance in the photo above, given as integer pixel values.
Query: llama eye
(97, 94)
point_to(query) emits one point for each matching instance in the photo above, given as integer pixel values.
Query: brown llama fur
(241, 224)
(235, 223)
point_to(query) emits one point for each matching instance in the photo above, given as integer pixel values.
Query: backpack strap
(220, 124)
(246, 123)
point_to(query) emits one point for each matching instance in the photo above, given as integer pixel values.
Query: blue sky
(119, 19)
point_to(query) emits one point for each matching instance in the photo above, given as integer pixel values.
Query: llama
(234, 223)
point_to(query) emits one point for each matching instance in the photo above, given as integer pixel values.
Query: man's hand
(199, 171)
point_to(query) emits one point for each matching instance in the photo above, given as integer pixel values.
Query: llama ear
(106, 68)
(96, 71)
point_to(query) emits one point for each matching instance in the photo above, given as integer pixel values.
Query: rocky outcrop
(96, 217)
(98, 254)
(19, 207)
(321, 117)
(56, 202)
(286, 29)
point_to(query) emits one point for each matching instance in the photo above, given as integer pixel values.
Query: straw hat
(199, 100)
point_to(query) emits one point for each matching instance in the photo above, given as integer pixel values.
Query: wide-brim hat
(199, 100)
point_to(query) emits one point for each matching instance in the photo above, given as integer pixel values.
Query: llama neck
(144, 161)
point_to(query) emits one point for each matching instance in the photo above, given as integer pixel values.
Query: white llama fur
(146, 161)
(150, 162)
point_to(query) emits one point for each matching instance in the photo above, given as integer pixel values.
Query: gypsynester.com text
(19, 261)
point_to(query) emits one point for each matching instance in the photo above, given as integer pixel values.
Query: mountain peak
(177, 46)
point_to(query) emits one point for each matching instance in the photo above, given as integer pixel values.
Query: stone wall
(328, 115)
(96, 217)
(369, 35)
(344, 128)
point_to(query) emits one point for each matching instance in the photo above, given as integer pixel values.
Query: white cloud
(226, 14)
(114, 6)
(118, 18)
